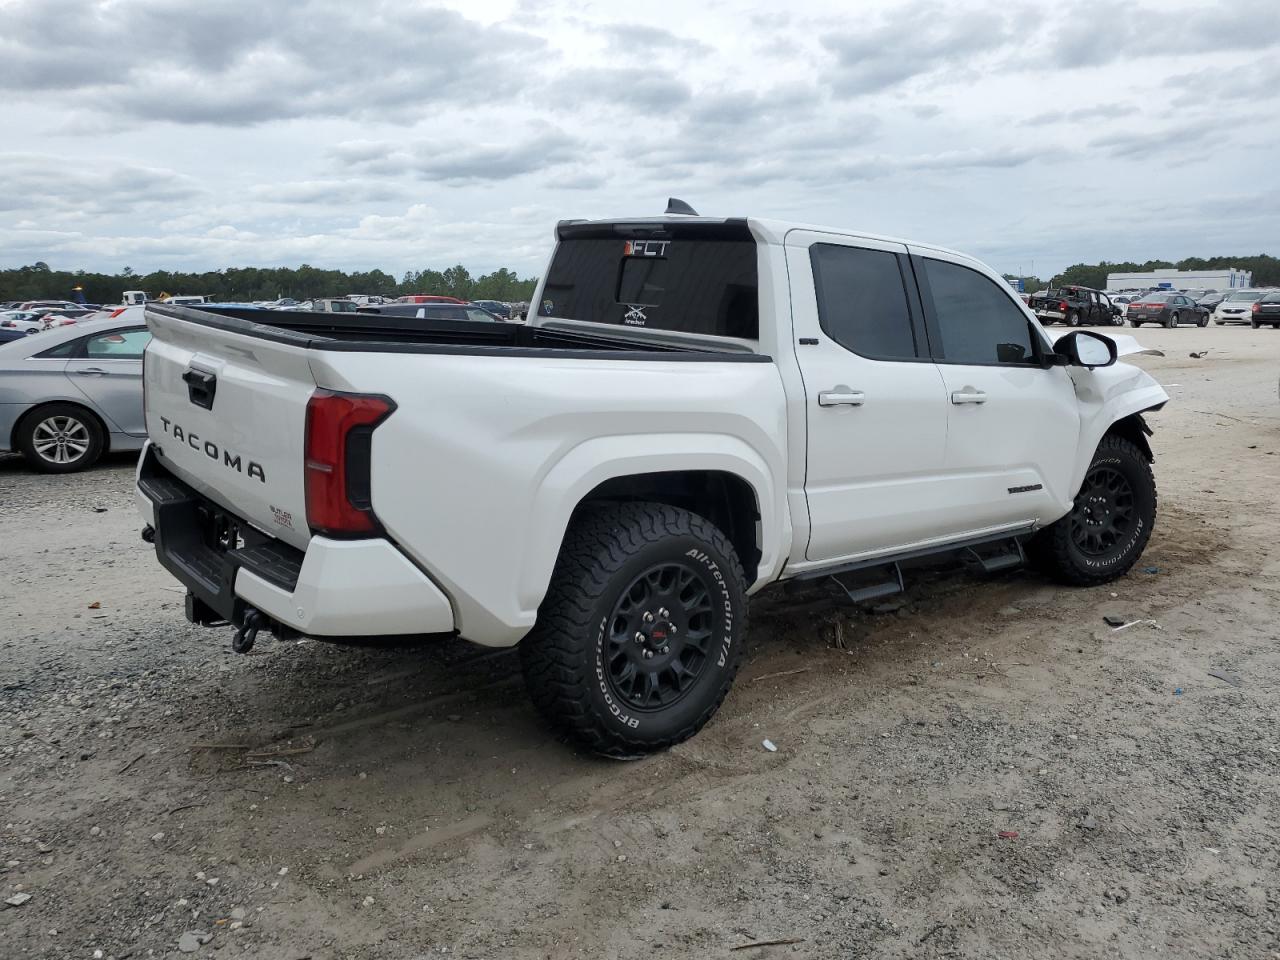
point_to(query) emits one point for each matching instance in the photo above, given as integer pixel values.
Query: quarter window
(977, 321)
(862, 301)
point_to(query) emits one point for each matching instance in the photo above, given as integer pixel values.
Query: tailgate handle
(201, 387)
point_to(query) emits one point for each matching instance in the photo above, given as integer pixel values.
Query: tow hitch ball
(247, 633)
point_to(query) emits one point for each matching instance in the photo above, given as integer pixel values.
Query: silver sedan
(69, 394)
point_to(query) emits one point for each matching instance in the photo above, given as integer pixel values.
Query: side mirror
(1084, 348)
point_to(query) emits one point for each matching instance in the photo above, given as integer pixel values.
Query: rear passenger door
(1012, 424)
(107, 369)
(876, 411)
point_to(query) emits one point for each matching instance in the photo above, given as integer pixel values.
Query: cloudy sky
(422, 133)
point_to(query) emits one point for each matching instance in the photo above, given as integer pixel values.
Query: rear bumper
(335, 588)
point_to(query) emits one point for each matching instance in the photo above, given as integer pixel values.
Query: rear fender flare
(568, 481)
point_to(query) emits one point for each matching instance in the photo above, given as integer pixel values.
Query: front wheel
(1110, 522)
(642, 629)
(1204, 321)
(1254, 324)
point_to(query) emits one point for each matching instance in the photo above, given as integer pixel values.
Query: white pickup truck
(697, 408)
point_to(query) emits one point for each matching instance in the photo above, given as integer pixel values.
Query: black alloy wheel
(1103, 514)
(659, 636)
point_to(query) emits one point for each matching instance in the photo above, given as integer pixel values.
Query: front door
(1013, 423)
(876, 410)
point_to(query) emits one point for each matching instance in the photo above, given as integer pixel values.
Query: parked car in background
(1167, 310)
(433, 311)
(366, 299)
(72, 393)
(29, 321)
(1211, 299)
(1074, 306)
(8, 334)
(324, 305)
(1237, 306)
(499, 309)
(1266, 311)
(40, 305)
(427, 298)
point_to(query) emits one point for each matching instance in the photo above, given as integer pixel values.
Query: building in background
(1170, 279)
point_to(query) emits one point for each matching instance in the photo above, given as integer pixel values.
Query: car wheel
(1073, 318)
(1255, 324)
(60, 438)
(642, 629)
(1171, 322)
(1204, 321)
(1134, 323)
(1110, 522)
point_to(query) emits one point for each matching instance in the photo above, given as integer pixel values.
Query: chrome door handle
(968, 396)
(92, 372)
(841, 396)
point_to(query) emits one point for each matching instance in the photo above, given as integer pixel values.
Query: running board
(956, 548)
(993, 561)
(873, 590)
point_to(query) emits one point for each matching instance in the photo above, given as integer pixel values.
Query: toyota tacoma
(697, 408)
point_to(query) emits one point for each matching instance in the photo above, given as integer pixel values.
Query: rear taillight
(338, 451)
(1062, 305)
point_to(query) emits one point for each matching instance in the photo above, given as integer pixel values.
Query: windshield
(686, 278)
(1245, 296)
(1157, 298)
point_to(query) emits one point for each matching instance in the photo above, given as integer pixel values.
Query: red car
(427, 298)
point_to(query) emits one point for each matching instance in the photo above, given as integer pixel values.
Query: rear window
(693, 278)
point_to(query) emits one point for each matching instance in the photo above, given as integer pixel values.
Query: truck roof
(767, 230)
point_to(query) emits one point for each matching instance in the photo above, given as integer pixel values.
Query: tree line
(1266, 269)
(38, 282)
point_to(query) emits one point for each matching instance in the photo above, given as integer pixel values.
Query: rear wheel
(1110, 522)
(1255, 324)
(1073, 318)
(1134, 323)
(1171, 322)
(60, 438)
(641, 631)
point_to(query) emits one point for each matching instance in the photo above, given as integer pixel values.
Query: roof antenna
(680, 207)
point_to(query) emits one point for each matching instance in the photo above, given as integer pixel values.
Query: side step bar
(871, 579)
(873, 590)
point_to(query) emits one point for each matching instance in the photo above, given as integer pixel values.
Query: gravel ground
(987, 770)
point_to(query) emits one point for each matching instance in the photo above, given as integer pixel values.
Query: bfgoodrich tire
(1110, 522)
(641, 631)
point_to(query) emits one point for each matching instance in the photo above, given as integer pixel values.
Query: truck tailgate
(228, 414)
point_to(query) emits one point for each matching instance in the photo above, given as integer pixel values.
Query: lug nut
(639, 637)
(663, 612)
(666, 649)
(648, 617)
(674, 630)
(648, 654)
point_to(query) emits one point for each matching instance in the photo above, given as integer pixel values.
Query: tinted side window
(862, 301)
(977, 321)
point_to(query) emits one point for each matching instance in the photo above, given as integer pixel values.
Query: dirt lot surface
(988, 771)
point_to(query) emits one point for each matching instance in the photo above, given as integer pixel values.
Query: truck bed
(388, 333)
